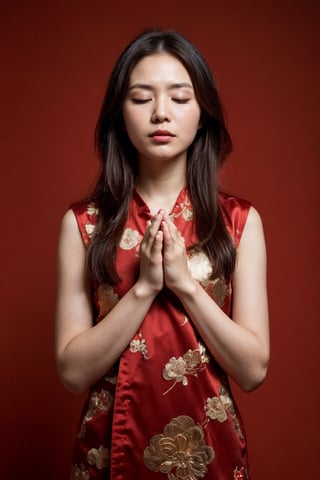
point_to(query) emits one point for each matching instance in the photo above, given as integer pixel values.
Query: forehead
(159, 67)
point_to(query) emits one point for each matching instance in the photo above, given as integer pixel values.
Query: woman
(162, 280)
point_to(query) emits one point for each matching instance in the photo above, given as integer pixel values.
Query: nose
(161, 111)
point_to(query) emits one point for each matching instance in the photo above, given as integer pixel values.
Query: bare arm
(85, 352)
(240, 345)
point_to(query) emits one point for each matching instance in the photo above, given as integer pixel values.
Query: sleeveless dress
(165, 411)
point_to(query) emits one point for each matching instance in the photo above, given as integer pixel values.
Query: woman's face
(160, 111)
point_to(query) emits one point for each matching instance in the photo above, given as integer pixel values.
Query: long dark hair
(206, 154)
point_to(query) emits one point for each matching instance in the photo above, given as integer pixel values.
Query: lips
(162, 133)
(161, 136)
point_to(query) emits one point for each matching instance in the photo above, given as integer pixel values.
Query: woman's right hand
(151, 260)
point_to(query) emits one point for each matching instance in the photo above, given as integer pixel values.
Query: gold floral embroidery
(185, 210)
(98, 402)
(130, 239)
(92, 209)
(191, 363)
(180, 452)
(187, 214)
(139, 345)
(100, 458)
(89, 227)
(217, 408)
(201, 270)
(107, 298)
(229, 406)
(217, 289)
(199, 265)
(79, 473)
(240, 473)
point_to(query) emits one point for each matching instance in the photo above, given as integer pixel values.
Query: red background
(56, 57)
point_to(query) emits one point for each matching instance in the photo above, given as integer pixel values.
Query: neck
(160, 187)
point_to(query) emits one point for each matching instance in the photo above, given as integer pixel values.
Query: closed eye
(140, 101)
(181, 100)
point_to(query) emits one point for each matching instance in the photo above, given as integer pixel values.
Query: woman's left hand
(177, 276)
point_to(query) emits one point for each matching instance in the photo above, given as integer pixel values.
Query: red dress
(165, 411)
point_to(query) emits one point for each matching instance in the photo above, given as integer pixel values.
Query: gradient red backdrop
(56, 58)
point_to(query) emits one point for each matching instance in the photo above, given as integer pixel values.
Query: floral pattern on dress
(99, 402)
(89, 229)
(90, 225)
(199, 265)
(240, 473)
(138, 344)
(185, 210)
(79, 473)
(180, 452)
(229, 406)
(99, 457)
(92, 210)
(130, 239)
(191, 363)
(217, 408)
(106, 299)
(218, 290)
(201, 270)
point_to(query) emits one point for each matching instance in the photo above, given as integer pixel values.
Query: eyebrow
(172, 86)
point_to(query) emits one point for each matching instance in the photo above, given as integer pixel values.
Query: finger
(170, 230)
(157, 243)
(156, 221)
(175, 232)
(166, 232)
(153, 227)
(169, 220)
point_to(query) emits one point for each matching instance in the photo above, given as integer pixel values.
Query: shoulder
(84, 207)
(82, 216)
(229, 203)
(70, 239)
(253, 233)
(235, 211)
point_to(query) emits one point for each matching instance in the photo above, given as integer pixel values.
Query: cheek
(132, 125)
(132, 121)
(192, 125)
(190, 120)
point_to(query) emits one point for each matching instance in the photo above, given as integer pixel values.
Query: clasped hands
(163, 257)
